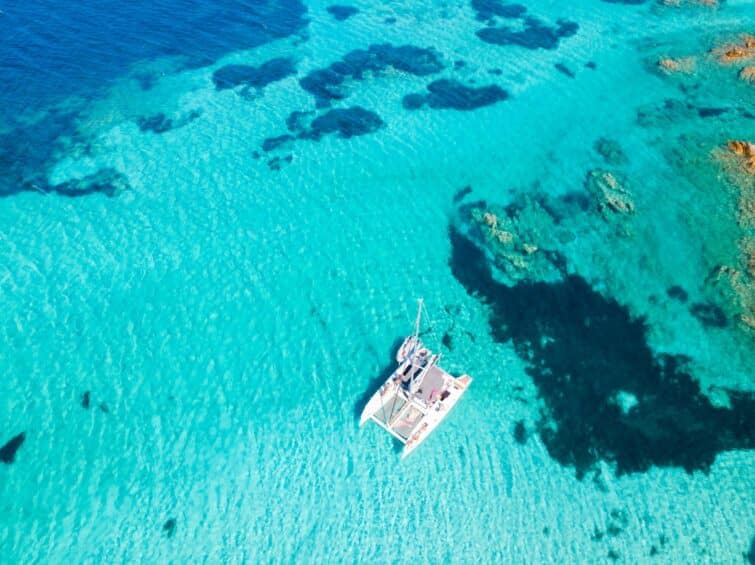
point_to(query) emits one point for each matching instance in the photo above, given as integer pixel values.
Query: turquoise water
(224, 309)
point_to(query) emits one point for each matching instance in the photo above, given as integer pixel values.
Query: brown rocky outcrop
(747, 74)
(609, 191)
(519, 236)
(745, 151)
(678, 3)
(741, 51)
(677, 65)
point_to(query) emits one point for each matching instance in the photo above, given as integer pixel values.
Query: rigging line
(430, 326)
(417, 323)
(398, 388)
(382, 409)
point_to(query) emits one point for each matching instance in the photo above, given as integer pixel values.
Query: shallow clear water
(225, 309)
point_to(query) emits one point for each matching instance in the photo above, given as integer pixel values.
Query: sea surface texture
(215, 221)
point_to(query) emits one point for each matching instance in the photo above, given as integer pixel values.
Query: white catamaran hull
(435, 416)
(417, 396)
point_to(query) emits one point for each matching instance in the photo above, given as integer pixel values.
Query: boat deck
(417, 396)
(401, 413)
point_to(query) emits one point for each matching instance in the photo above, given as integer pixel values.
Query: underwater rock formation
(343, 122)
(563, 69)
(745, 150)
(327, 84)
(583, 351)
(660, 114)
(737, 286)
(346, 122)
(534, 35)
(445, 94)
(272, 143)
(520, 238)
(677, 65)
(734, 53)
(677, 293)
(271, 71)
(169, 527)
(747, 74)
(739, 164)
(611, 151)
(106, 181)
(26, 152)
(340, 12)
(609, 191)
(520, 432)
(160, 123)
(679, 3)
(462, 193)
(488, 10)
(709, 315)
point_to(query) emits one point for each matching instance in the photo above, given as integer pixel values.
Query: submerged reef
(563, 69)
(745, 155)
(160, 123)
(611, 151)
(461, 194)
(328, 84)
(530, 31)
(169, 527)
(488, 10)
(535, 34)
(520, 432)
(520, 238)
(343, 122)
(698, 152)
(346, 122)
(677, 65)
(605, 395)
(610, 192)
(738, 159)
(105, 181)
(709, 315)
(451, 94)
(736, 52)
(736, 285)
(747, 74)
(271, 71)
(340, 12)
(680, 3)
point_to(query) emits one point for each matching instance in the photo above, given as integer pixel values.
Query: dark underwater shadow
(606, 395)
(377, 380)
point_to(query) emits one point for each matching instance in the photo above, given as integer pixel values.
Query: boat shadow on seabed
(377, 381)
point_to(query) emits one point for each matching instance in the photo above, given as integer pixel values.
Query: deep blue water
(50, 50)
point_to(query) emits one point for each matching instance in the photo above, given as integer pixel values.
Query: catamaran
(417, 396)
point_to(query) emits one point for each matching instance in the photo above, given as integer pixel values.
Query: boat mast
(415, 379)
(419, 317)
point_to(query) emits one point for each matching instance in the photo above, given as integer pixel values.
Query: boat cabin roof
(432, 385)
